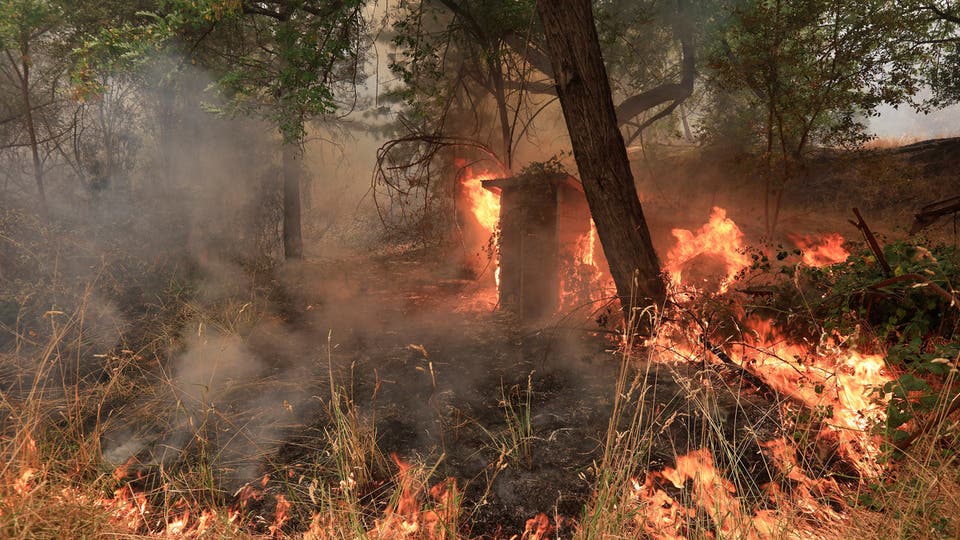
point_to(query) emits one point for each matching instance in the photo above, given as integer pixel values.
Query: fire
(538, 527)
(582, 279)
(704, 488)
(827, 378)
(484, 204)
(664, 517)
(406, 517)
(821, 250)
(719, 238)
(280, 516)
(587, 247)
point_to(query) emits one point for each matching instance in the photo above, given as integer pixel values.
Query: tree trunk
(506, 136)
(31, 125)
(598, 147)
(290, 169)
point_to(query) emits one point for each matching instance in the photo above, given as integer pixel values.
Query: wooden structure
(542, 217)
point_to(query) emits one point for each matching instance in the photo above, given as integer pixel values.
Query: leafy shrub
(908, 315)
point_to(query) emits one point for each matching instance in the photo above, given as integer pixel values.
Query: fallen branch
(872, 242)
(745, 374)
(938, 290)
(929, 214)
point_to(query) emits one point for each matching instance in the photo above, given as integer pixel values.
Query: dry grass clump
(885, 143)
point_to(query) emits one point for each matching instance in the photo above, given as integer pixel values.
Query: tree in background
(495, 49)
(941, 34)
(282, 60)
(27, 28)
(810, 72)
(476, 76)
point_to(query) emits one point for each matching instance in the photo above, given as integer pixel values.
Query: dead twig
(745, 374)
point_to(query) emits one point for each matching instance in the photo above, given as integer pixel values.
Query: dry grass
(886, 143)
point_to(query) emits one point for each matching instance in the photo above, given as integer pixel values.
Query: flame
(587, 247)
(583, 280)
(821, 250)
(484, 204)
(280, 516)
(127, 508)
(719, 237)
(664, 517)
(538, 527)
(406, 517)
(827, 378)
(702, 485)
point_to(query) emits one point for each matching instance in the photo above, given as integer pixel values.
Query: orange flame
(404, 518)
(664, 517)
(821, 250)
(538, 527)
(484, 204)
(827, 378)
(280, 516)
(587, 247)
(719, 237)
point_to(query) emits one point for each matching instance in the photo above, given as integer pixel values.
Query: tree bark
(598, 147)
(292, 237)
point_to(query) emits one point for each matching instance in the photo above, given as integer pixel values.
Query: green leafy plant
(908, 313)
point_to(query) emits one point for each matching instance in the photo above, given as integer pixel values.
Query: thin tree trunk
(598, 147)
(687, 134)
(290, 169)
(768, 169)
(501, 99)
(166, 117)
(31, 126)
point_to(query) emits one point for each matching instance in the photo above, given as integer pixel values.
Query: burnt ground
(427, 364)
(430, 370)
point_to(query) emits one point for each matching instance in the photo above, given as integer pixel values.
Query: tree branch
(675, 92)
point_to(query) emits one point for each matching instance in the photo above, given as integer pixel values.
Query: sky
(905, 123)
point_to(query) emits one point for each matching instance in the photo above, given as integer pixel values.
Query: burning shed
(544, 218)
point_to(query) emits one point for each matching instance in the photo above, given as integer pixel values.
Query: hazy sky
(907, 123)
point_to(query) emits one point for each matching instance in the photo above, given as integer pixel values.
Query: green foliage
(554, 165)
(940, 32)
(284, 65)
(817, 67)
(20, 19)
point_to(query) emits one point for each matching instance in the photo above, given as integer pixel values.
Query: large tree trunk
(292, 238)
(598, 147)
